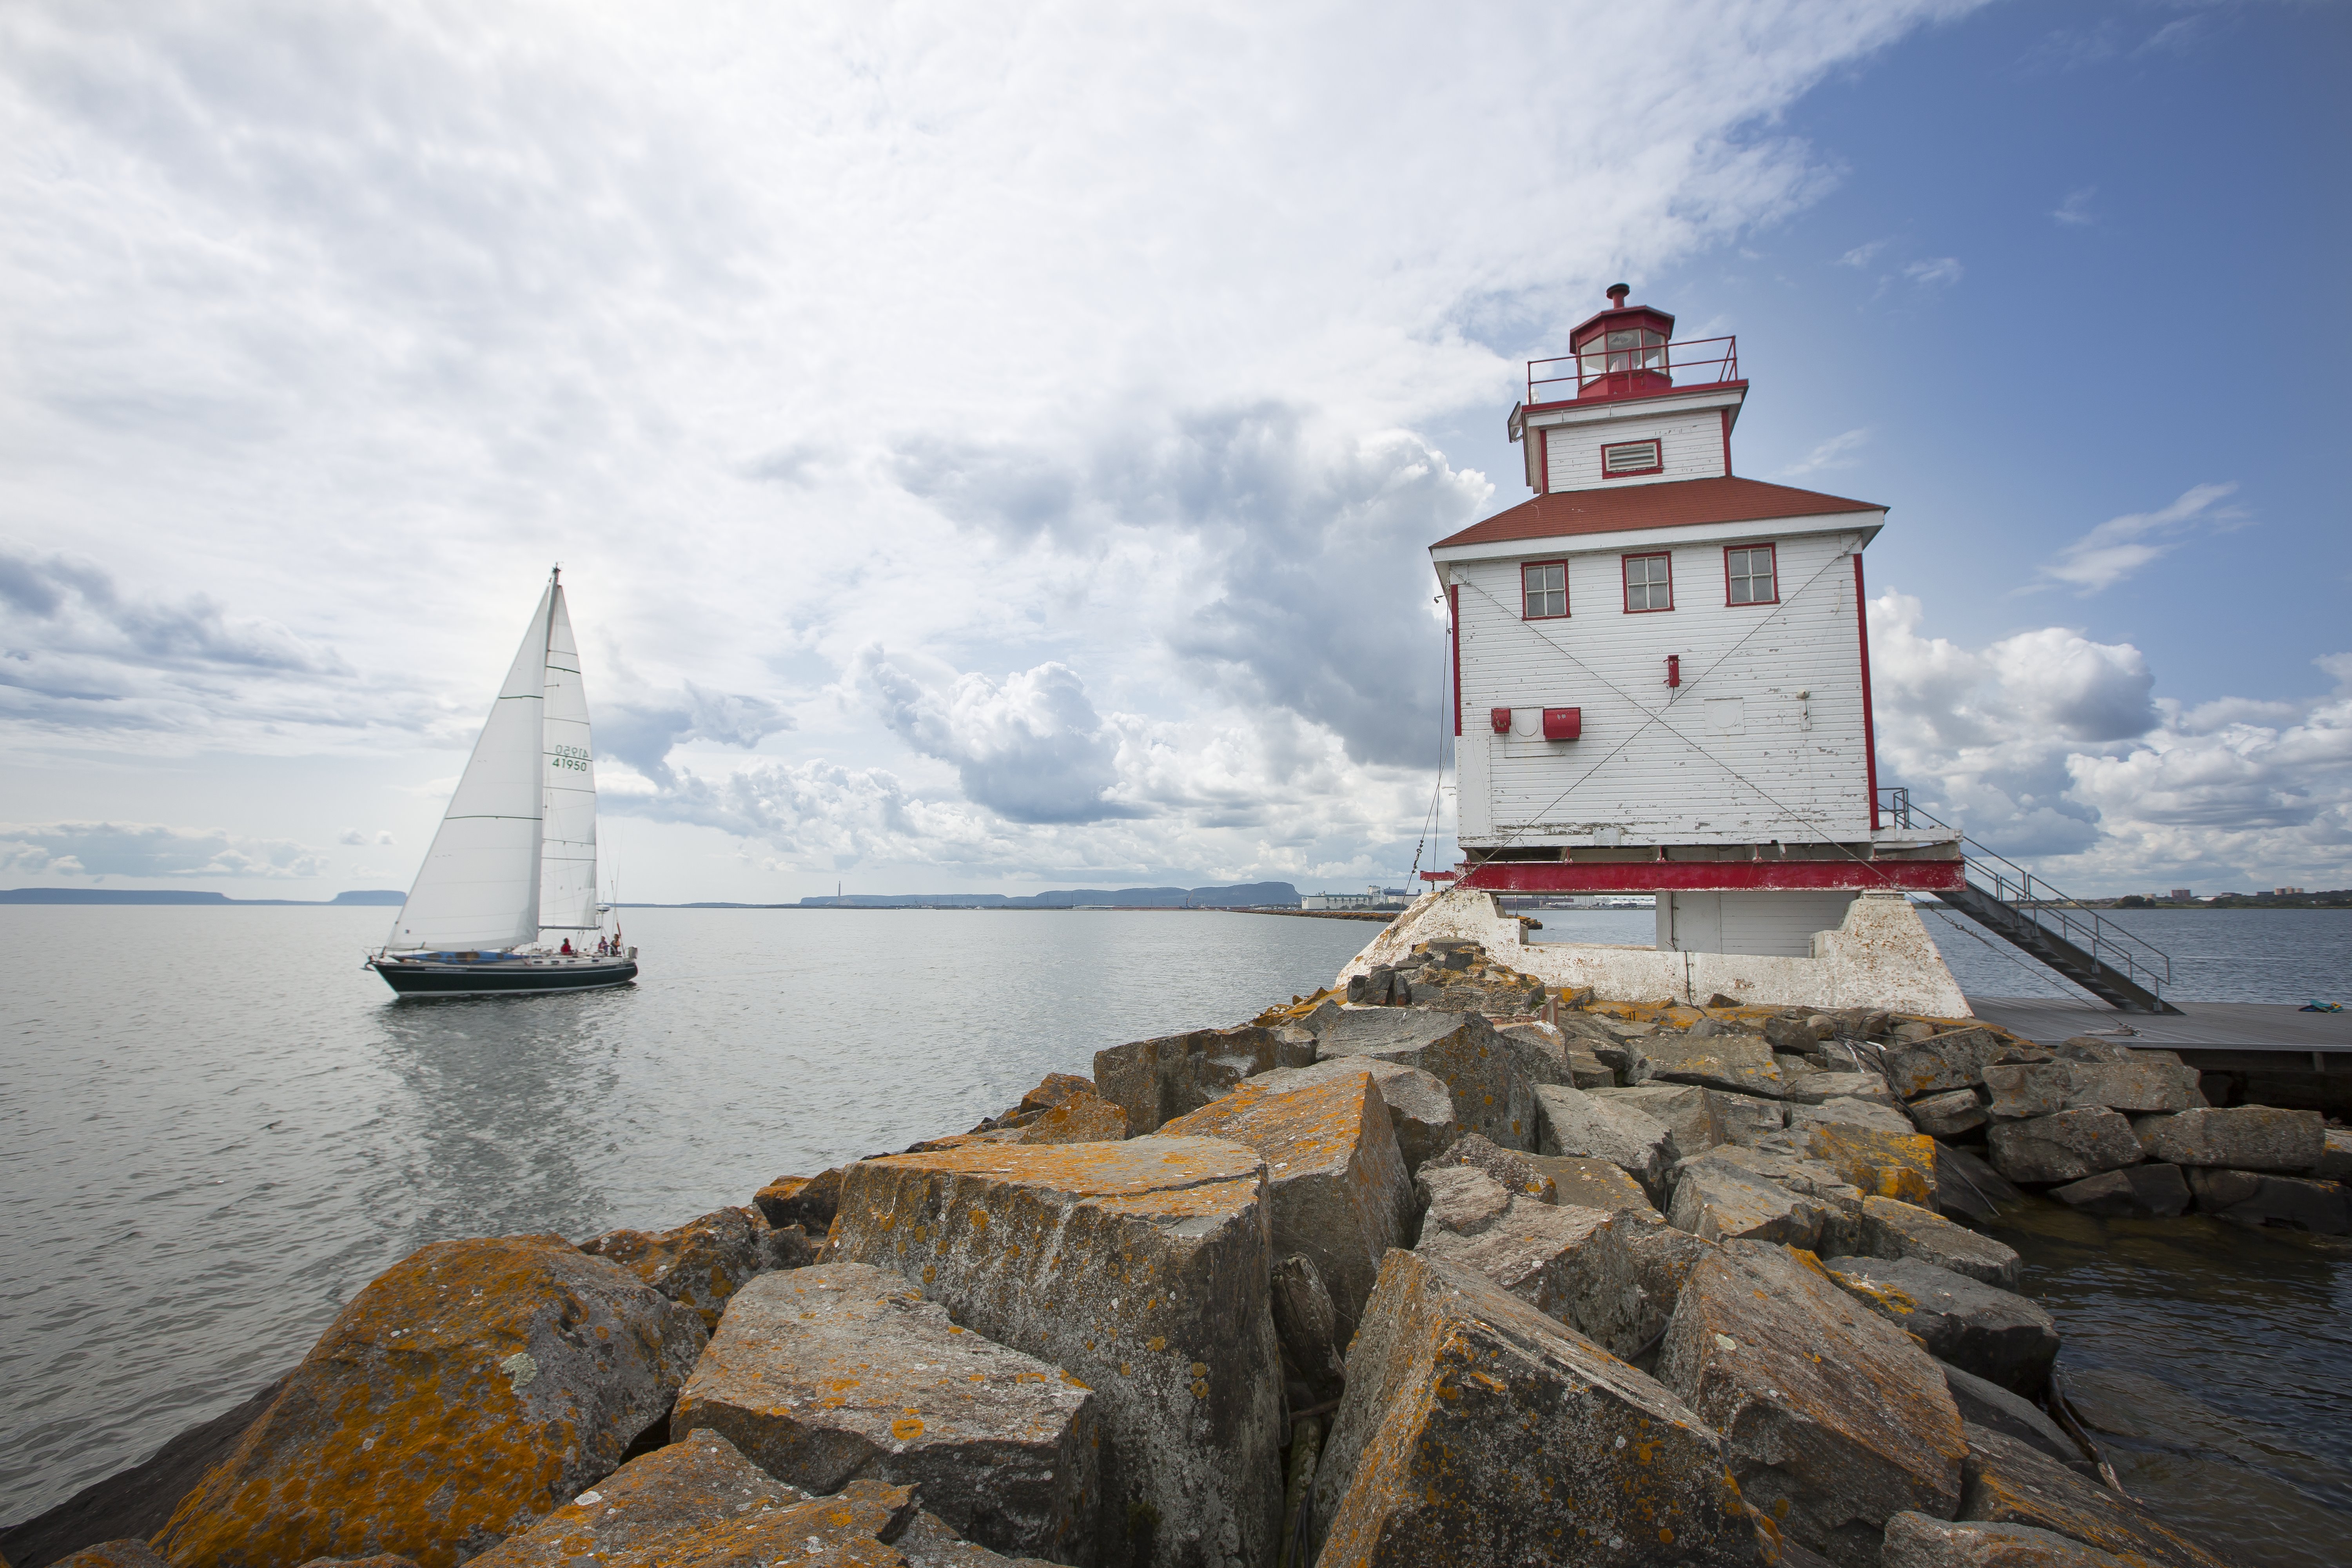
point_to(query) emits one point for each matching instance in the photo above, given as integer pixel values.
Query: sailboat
(505, 901)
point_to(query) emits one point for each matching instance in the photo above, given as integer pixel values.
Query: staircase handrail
(2139, 960)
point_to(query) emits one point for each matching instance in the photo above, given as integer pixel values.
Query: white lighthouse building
(1662, 674)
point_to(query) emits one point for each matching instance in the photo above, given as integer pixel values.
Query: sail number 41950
(571, 757)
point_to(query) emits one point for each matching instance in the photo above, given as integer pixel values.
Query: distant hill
(184, 895)
(1243, 895)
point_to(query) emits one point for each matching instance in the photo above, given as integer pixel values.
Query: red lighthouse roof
(1686, 503)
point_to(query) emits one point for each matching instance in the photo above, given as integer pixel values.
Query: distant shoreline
(373, 898)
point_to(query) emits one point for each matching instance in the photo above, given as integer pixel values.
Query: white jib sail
(567, 850)
(479, 884)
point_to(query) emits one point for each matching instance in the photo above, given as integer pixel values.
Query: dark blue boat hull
(502, 977)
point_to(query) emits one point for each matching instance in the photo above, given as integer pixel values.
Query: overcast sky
(993, 449)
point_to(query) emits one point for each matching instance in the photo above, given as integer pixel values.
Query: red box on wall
(1500, 718)
(1564, 723)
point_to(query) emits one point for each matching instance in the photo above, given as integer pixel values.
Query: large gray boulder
(1947, 1114)
(1917, 1541)
(517, 1346)
(2335, 1156)
(2257, 1198)
(1984, 1402)
(1892, 1230)
(701, 1501)
(699, 1264)
(1832, 1419)
(1622, 1283)
(1522, 1244)
(1946, 1059)
(2135, 1192)
(1967, 1189)
(1575, 1122)
(1141, 1268)
(2011, 1482)
(1741, 1063)
(842, 1372)
(1693, 1114)
(1480, 1070)
(1477, 1431)
(2021, 1091)
(2139, 1085)
(1714, 1201)
(2066, 1147)
(1519, 1175)
(1840, 1200)
(1812, 1089)
(1157, 1080)
(1420, 1109)
(1592, 1183)
(1337, 1188)
(2241, 1138)
(1994, 1333)
(1849, 1112)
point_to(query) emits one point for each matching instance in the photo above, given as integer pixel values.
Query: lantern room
(1622, 351)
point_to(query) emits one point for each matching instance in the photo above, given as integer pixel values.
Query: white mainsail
(479, 887)
(567, 848)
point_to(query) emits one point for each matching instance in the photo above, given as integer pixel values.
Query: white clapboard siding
(1792, 768)
(1690, 445)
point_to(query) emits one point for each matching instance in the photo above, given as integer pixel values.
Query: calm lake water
(215, 1127)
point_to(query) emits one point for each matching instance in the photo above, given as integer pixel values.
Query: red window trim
(1655, 442)
(1772, 548)
(1561, 562)
(1626, 586)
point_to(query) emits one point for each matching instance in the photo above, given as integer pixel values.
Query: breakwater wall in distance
(1445, 1267)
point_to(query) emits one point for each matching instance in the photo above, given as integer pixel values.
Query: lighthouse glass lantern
(1621, 352)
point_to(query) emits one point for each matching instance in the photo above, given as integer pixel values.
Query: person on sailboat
(566, 948)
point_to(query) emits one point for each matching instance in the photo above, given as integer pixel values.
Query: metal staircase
(2098, 955)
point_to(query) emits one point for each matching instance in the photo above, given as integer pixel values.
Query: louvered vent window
(1545, 585)
(1630, 457)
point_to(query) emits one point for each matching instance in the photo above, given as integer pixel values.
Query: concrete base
(1880, 957)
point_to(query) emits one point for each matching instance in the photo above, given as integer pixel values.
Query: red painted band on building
(1718, 876)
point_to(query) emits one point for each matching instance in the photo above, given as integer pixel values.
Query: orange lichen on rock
(465, 1392)
(1090, 1252)
(1900, 1166)
(1340, 1195)
(1476, 1430)
(699, 1264)
(1833, 1419)
(844, 1371)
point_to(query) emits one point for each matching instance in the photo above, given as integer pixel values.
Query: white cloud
(144, 850)
(2053, 749)
(1085, 345)
(1837, 452)
(2075, 210)
(2122, 545)
(1862, 255)
(1938, 270)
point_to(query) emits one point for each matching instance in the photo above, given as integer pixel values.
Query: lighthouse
(1662, 678)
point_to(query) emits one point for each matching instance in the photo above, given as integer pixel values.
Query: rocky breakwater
(1447, 1269)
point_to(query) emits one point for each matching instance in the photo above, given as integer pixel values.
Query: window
(1749, 570)
(1630, 457)
(1544, 585)
(1649, 582)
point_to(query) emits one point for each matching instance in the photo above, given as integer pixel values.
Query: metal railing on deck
(2030, 898)
(1641, 370)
